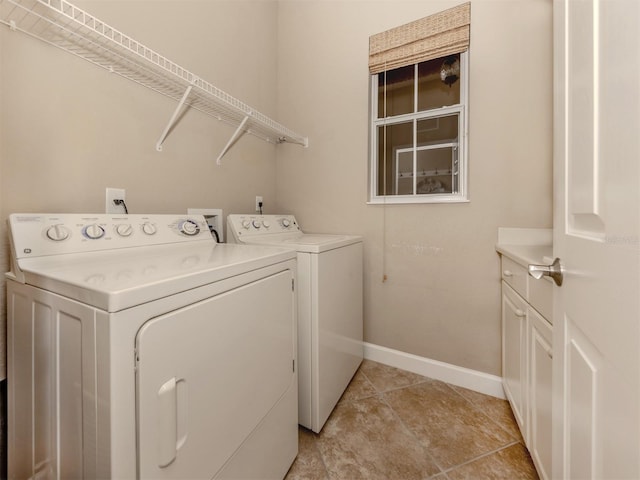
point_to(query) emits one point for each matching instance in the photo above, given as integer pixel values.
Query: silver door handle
(554, 271)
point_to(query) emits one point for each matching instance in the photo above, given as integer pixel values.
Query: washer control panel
(254, 225)
(54, 234)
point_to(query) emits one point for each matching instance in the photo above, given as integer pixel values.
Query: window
(419, 118)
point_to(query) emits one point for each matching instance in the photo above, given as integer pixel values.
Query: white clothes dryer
(138, 348)
(330, 347)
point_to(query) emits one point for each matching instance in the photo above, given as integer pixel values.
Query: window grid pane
(433, 92)
(392, 137)
(400, 92)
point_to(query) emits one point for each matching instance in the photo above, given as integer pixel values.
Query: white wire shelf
(70, 28)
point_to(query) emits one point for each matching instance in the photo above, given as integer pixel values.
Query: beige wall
(69, 129)
(442, 296)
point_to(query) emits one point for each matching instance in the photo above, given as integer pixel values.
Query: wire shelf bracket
(234, 138)
(62, 24)
(174, 118)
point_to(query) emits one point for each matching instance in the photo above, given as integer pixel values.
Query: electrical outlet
(114, 194)
(258, 202)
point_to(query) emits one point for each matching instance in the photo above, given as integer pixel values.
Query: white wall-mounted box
(214, 219)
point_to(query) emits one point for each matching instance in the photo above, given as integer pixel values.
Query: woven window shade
(435, 36)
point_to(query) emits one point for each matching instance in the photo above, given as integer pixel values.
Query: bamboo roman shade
(438, 35)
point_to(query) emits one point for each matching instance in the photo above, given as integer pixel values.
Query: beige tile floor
(392, 424)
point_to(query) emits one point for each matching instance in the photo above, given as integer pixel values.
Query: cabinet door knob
(507, 273)
(519, 313)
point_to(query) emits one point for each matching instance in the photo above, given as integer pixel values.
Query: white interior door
(597, 237)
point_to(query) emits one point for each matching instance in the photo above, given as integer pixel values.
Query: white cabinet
(540, 359)
(514, 348)
(526, 357)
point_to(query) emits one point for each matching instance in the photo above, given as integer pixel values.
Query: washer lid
(117, 279)
(283, 230)
(305, 242)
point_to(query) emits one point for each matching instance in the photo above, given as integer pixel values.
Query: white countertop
(526, 245)
(526, 254)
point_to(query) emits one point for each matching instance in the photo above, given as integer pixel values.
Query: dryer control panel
(259, 225)
(36, 235)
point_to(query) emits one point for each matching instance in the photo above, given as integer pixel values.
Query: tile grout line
(487, 454)
(329, 474)
(407, 429)
(482, 411)
(317, 449)
(476, 407)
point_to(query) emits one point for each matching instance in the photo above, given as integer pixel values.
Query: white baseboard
(446, 372)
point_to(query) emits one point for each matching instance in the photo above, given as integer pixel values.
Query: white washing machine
(330, 347)
(139, 348)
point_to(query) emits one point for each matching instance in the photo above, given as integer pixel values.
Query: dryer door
(208, 373)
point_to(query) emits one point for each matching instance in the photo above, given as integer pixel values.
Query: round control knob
(57, 233)
(286, 223)
(149, 228)
(93, 231)
(246, 224)
(256, 224)
(189, 227)
(266, 223)
(124, 229)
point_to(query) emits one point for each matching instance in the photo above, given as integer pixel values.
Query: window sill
(400, 200)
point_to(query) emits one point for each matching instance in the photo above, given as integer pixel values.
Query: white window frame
(461, 109)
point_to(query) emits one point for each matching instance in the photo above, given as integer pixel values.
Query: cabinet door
(540, 337)
(514, 349)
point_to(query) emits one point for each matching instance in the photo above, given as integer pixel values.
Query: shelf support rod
(239, 131)
(173, 119)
